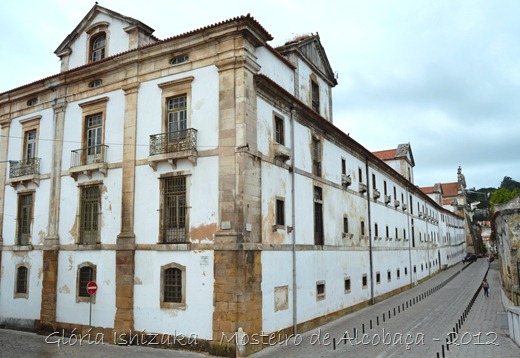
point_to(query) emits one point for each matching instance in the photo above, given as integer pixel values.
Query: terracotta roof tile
(388, 154)
(427, 190)
(450, 189)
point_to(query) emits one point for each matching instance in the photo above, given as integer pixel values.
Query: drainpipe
(372, 300)
(293, 221)
(411, 235)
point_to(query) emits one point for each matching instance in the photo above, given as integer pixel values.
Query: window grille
(86, 274)
(21, 280)
(173, 285)
(89, 215)
(174, 209)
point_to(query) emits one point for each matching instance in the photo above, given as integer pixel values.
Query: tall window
(85, 275)
(177, 113)
(25, 208)
(279, 130)
(30, 145)
(345, 224)
(343, 166)
(90, 202)
(315, 94)
(93, 138)
(98, 47)
(174, 223)
(280, 212)
(316, 156)
(21, 280)
(318, 216)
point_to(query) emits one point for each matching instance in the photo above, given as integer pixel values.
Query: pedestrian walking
(485, 286)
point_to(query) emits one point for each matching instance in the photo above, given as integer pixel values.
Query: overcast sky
(443, 75)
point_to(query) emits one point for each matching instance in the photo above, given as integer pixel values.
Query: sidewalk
(483, 336)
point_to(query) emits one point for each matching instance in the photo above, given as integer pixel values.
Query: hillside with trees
(489, 197)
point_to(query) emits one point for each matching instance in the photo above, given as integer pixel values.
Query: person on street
(485, 286)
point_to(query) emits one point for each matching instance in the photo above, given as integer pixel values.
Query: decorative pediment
(310, 49)
(101, 19)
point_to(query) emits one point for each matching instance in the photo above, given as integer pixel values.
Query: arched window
(86, 273)
(21, 280)
(173, 286)
(98, 47)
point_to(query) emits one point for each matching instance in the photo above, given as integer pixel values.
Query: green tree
(509, 183)
(502, 195)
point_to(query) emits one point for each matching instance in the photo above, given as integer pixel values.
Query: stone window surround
(25, 294)
(92, 32)
(171, 89)
(96, 246)
(173, 305)
(97, 106)
(94, 274)
(187, 175)
(32, 192)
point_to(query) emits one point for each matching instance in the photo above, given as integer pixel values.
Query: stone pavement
(16, 344)
(415, 323)
(481, 335)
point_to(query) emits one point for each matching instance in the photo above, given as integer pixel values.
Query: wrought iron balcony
(24, 167)
(172, 142)
(88, 155)
(172, 146)
(88, 160)
(24, 172)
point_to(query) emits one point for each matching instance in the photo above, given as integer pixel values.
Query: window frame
(320, 296)
(18, 291)
(91, 109)
(319, 234)
(279, 129)
(101, 50)
(19, 232)
(173, 305)
(315, 94)
(96, 217)
(176, 89)
(316, 155)
(280, 212)
(163, 179)
(80, 292)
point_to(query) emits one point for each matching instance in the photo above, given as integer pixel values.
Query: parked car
(470, 258)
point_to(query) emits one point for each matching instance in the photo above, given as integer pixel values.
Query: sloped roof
(450, 189)
(388, 154)
(427, 190)
(85, 22)
(310, 48)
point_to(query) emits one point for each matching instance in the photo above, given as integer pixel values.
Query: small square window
(414, 269)
(320, 290)
(364, 281)
(347, 284)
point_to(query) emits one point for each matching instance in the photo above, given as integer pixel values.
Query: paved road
(416, 323)
(16, 344)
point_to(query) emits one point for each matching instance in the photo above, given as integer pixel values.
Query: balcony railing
(172, 142)
(24, 167)
(89, 155)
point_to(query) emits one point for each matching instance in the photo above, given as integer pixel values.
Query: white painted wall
(275, 69)
(197, 317)
(117, 41)
(104, 309)
(20, 308)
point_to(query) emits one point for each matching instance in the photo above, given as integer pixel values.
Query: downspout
(293, 219)
(372, 299)
(411, 235)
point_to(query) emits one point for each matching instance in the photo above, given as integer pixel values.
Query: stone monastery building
(200, 181)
